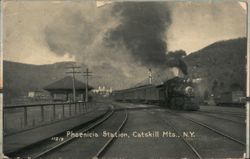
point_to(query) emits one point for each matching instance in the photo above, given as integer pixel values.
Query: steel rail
(183, 139)
(226, 113)
(213, 115)
(95, 124)
(108, 143)
(210, 128)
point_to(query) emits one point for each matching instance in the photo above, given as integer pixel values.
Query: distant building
(103, 91)
(62, 90)
(31, 94)
(35, 94)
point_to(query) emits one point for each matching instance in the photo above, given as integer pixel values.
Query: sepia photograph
(124, 79)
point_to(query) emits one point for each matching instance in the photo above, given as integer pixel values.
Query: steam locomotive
(176, 93)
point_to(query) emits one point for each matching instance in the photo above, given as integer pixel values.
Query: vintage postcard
(124, 79)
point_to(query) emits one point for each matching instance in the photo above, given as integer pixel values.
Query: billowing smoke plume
(142, 29)
(132, 31)
(175, 59)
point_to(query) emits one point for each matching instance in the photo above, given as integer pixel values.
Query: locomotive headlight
(189, 91)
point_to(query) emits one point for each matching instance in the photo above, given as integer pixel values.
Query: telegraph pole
(73, 72)
(87, 74)
(150, 76)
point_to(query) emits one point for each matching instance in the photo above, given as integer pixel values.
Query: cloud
(129, 37)
(197, 25)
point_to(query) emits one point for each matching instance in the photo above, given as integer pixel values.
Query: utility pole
(73, 72)
(87, 74)
(150, 76)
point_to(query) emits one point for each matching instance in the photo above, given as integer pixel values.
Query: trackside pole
(248, 87)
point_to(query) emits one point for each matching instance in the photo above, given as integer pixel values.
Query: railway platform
(25, 139)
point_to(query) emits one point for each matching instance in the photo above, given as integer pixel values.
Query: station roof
(66, 84)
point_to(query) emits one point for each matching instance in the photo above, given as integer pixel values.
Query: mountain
(20, 78)
(221, 65)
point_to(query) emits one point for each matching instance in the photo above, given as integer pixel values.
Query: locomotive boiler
(176, 93)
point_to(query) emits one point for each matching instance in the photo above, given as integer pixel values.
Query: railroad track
(38, 150)
(210, 128)
(218, 117)
(177, 131)
(191, 146)
(225, 113)
(105, 147)
(100, 152)
(70, 139)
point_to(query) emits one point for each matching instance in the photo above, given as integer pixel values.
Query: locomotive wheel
(177, 103)
(181, 103)
(172, 104)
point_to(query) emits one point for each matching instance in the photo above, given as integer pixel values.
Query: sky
(44, 32)
(122, 40)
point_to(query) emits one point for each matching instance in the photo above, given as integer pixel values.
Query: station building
(62, 90)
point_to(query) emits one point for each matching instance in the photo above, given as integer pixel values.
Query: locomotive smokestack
(150, 76)
(177, 72)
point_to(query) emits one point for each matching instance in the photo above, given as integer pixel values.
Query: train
(176, 93)
(230, 98)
